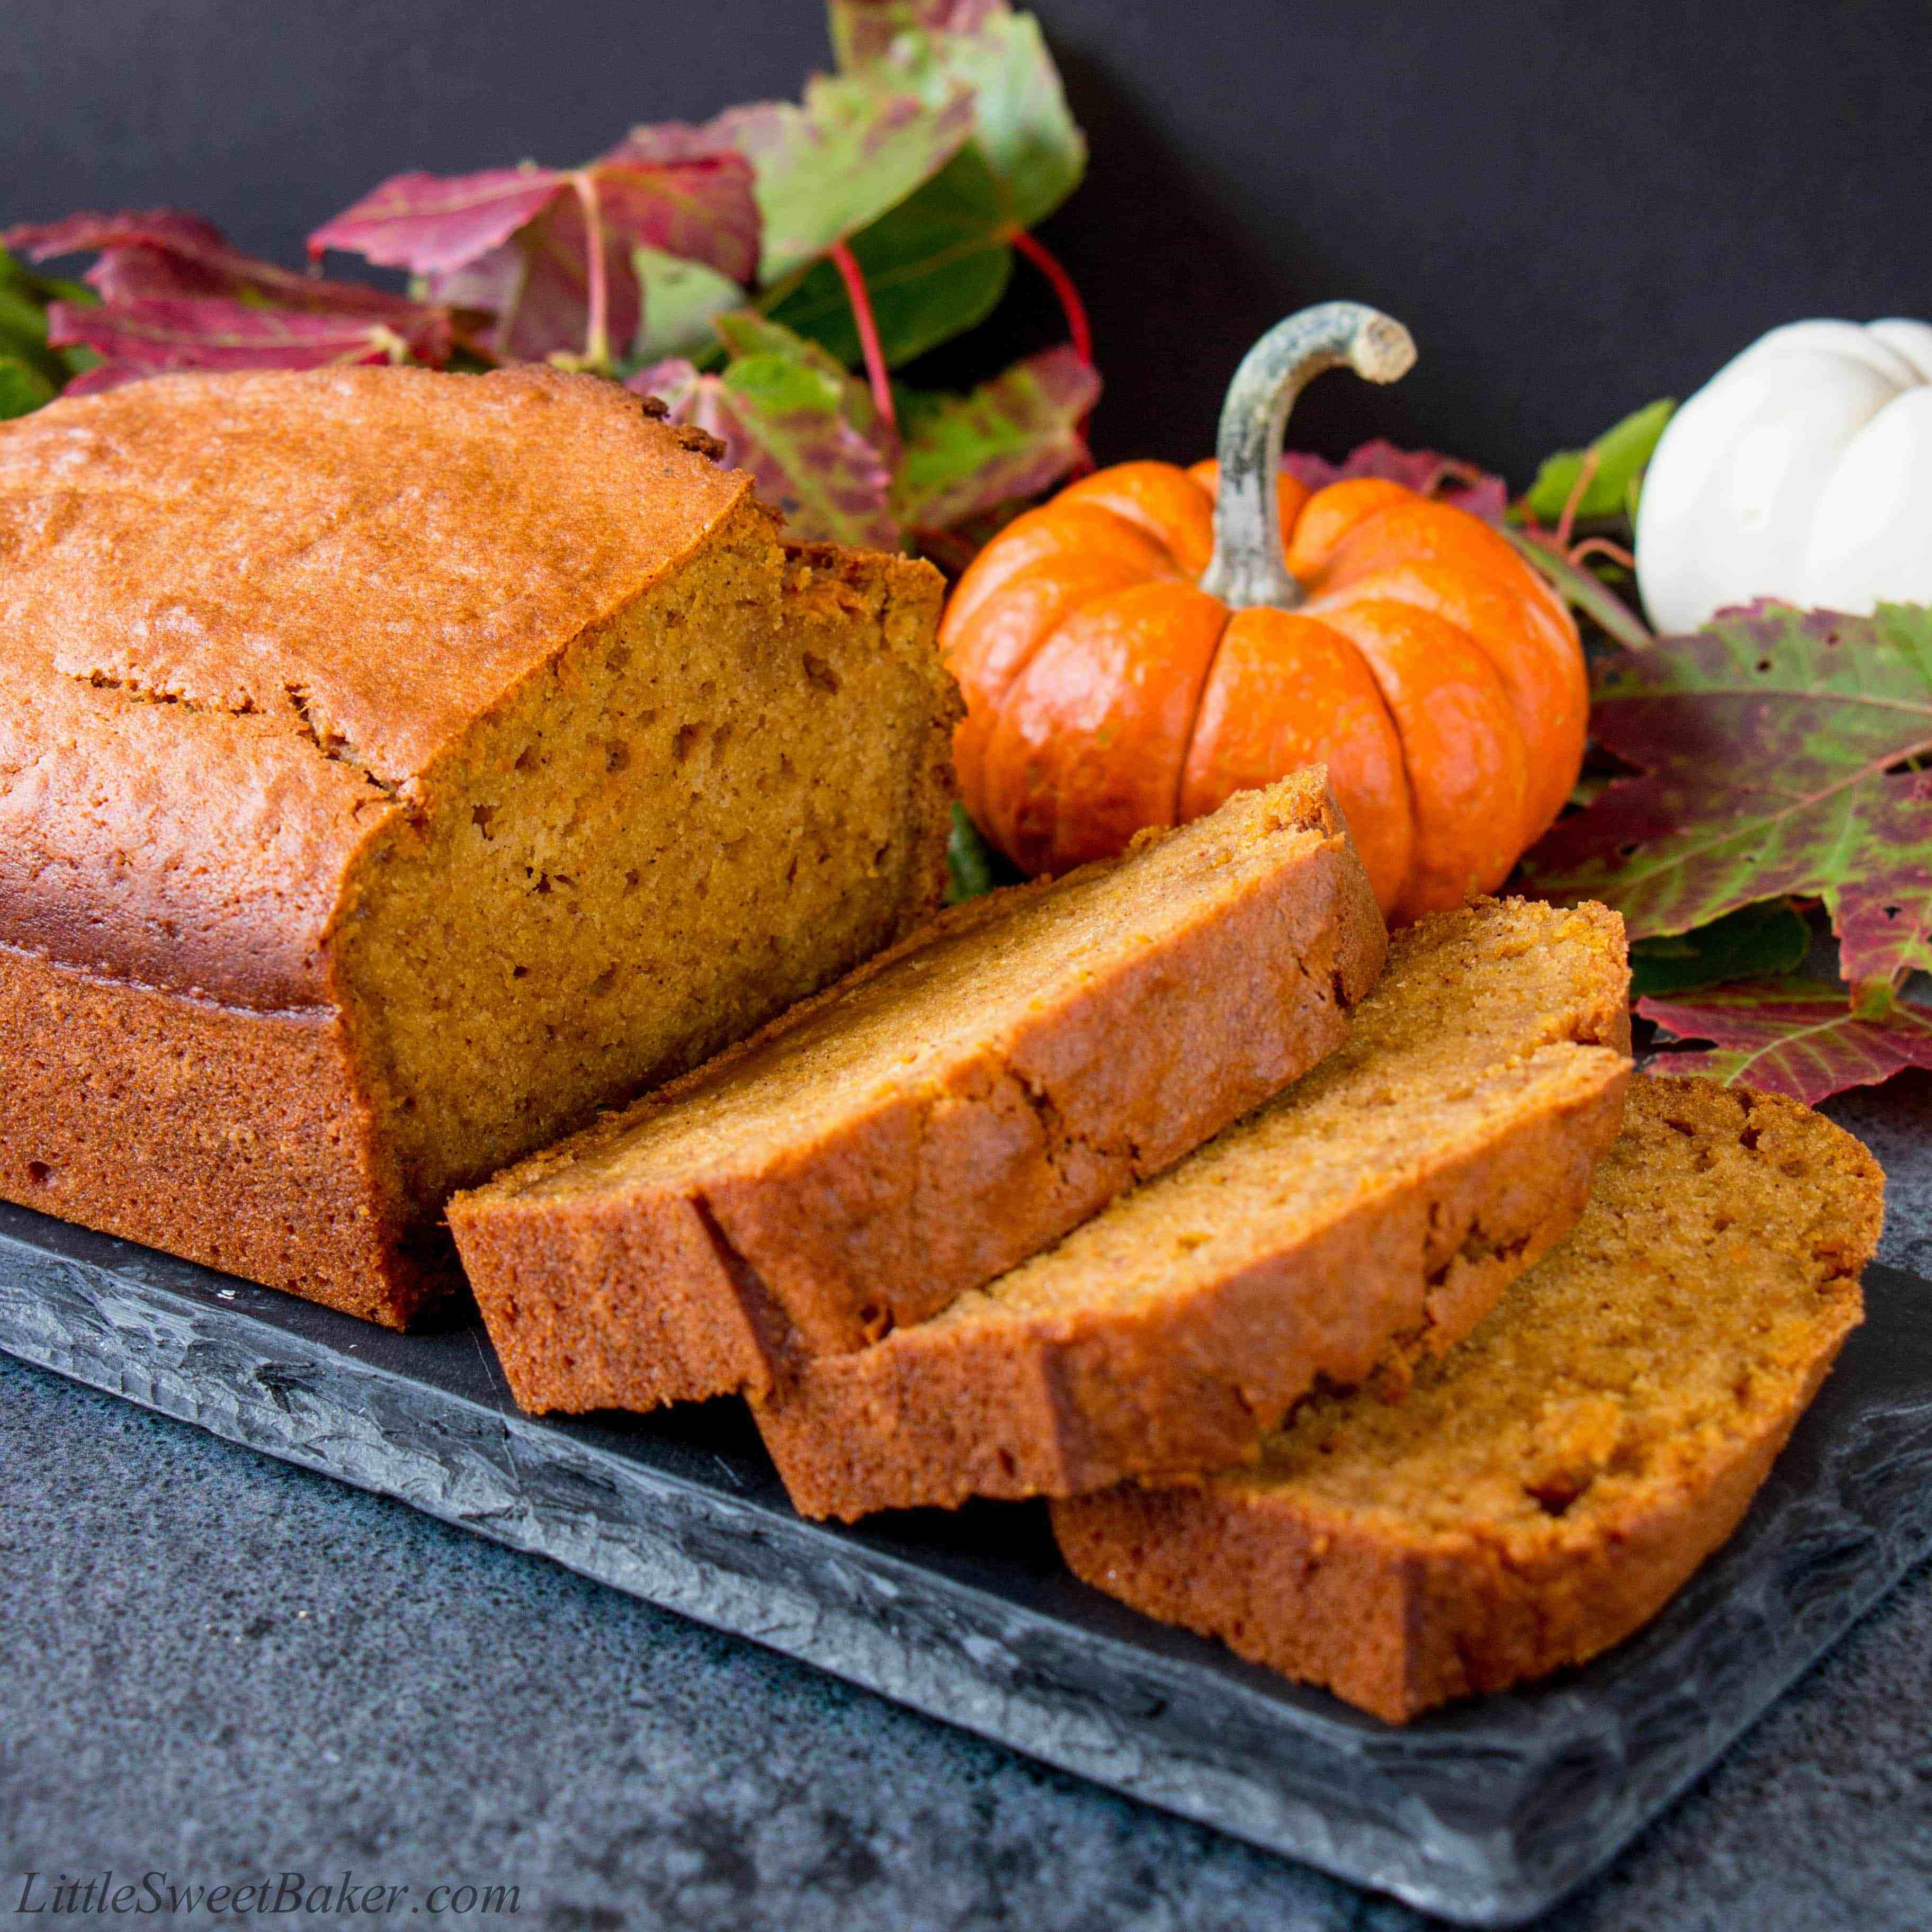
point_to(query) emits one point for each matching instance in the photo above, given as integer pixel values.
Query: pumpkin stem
(1248, 567)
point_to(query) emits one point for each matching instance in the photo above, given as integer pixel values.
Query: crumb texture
(1536, 1493)
(955, 1104)
(1371, 1213)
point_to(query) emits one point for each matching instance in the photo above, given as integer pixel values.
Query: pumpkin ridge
(1194, 719)
(1348, 644)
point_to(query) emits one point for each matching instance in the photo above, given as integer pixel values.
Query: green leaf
(783, 420)
(682, 299)
(23, 322)
(22, 388)
(1777, 752)
(1020, 116)
(744, 331)
(1757, 942)
(973, 868)
(858, 146)
(935, 266)
(1791, 1036)
(1622, 453)
(1013, 436)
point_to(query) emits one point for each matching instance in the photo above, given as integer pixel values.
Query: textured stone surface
(215, 1662)
(1483, 1810)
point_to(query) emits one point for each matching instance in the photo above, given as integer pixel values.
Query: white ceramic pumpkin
(1802, 471)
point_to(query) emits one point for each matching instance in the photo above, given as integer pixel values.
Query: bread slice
(1375, 1210)
(1540, 1492)
(944, 1111)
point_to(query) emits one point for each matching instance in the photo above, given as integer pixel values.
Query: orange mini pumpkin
(1155, 639)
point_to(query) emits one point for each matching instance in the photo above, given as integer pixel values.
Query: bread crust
(1327, 1600)
(248, 624)
(1068, 1402)
(1398, 1620)
(240, 1139)
(243, 617)
(878, 1219)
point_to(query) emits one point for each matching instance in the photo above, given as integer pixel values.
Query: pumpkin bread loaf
(1371, 1213)
(948, 1109)
(1540, 1491)
(396, 767)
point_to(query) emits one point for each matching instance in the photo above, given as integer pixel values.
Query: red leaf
(1797, 1036)
(1426, 472)
(150, 337)
(865, 30)
(431, 224)
(164, 253)
(515, 241)
(783, 419)
(1012, 437)
(701, 204)
(1775, 749)
(537, 285)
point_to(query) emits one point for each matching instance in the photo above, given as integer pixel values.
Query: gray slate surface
(221, 1666)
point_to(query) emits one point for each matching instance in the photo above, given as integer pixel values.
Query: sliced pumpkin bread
(952, 1106)
(1540, 1492)
(1373, 1212)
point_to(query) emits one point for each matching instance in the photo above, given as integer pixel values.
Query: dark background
(1575, 209)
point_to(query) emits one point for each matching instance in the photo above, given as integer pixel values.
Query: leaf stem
(853, 276)
(1579, 586)
(597, 333)
(1586, 472)
(1603, 547)
(1078, 327)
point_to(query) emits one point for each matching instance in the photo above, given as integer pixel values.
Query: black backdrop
(1574, 208)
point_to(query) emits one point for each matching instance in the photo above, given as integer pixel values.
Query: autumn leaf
(163, 254)
(832, 166)
(23, 331)
(1758, 942)
(518, 242)
(1021, 122)
(432, 224)
(681, 301)
(1617, 459)
(744, 331)
(782, 420)
(935, 266)
(164, 333)
(863, 30)
(973, 867)
(1426, 472)
(22, 388)
(1011, 437)
(1774, 749)
(1793, 1036)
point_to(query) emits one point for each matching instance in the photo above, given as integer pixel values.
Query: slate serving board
(1486, 1813)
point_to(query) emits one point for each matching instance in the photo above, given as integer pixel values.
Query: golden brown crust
(1068, 1403)
(239, 1139)
(1399, 1616)
(719, 1280)
(307, 586)
(251, 627)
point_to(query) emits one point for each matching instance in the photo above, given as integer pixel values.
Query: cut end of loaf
(708, 806)
(953, 1105)
(1540, 1492)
